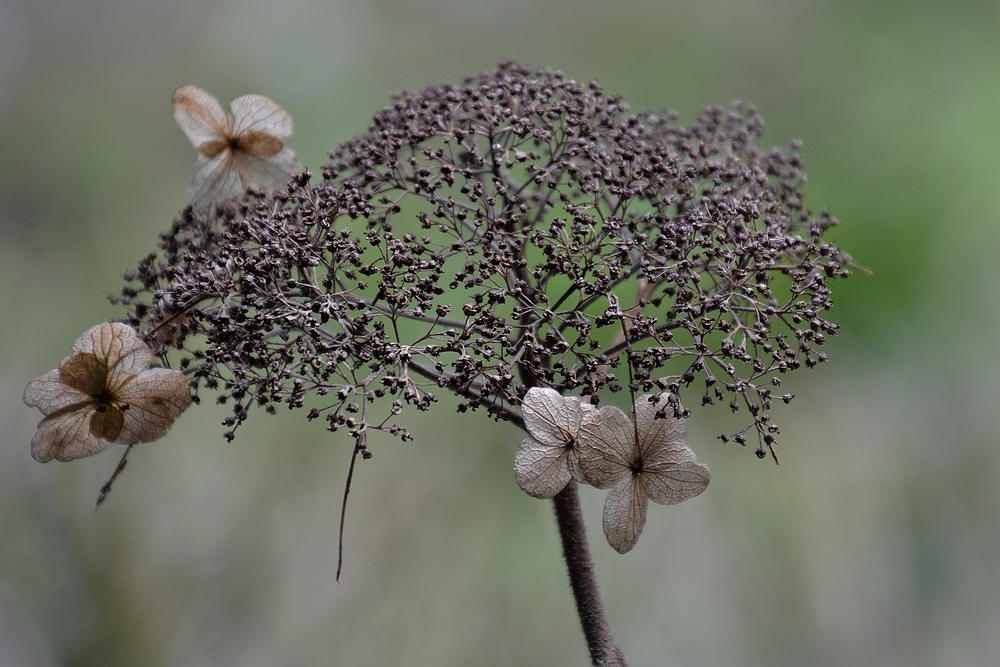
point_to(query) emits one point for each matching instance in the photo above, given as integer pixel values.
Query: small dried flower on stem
(547, 459)
(104, 393)
(236, 151)
(642, 458)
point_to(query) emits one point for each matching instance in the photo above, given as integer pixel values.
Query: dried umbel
(519, 230)
(520, 240)
(236, 151)
(104, 393)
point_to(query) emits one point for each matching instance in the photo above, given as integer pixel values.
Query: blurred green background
(875, 542)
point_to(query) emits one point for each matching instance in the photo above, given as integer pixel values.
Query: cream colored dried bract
(104, 393)
(237, 150)
(546, 460)
(640, 460)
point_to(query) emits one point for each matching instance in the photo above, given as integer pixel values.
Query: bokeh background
(875, 542)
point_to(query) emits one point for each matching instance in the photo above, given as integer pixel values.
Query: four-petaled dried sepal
(642, 458)
(104, 393)
(237, 150)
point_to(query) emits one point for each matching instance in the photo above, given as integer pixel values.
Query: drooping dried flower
(237, 150)
(104, 393)
(547, 460)
(640, 459)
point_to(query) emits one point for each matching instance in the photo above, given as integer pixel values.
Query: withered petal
(50, 394)
(119, 346)
(214, 180)
(86, 373)
(266, 172)
(606, 446)
(672, 483)
(199, 115)
(150, 403)
(660, 438)
(551, 419)
(624, 514)
(66, 436)
(107, 422)
(259, 114)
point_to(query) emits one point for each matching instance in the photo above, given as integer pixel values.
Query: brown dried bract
(104, 393)
(237, 150)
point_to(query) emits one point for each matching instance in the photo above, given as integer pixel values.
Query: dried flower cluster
(640, 457)
(519, 230)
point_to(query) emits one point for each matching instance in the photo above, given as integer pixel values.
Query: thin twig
(106, 489)
(343, 509)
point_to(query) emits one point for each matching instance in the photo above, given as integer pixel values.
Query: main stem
(569, 515)
(603, 650)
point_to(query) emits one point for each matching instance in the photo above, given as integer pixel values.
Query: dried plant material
(546, 460)
(237, 150)
(640, 460)
(104, 393)
(555, 217)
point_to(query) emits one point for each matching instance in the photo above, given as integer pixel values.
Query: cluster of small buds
(519, 230)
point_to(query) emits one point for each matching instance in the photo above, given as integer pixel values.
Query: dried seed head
(520, 229)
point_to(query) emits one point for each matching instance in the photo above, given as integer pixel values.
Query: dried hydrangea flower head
(104, 393)
(514, 231)
(547, 459)
(520, 229)
(642, 458)
(237, 150)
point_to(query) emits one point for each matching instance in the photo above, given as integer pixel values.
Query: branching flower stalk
(520, 231)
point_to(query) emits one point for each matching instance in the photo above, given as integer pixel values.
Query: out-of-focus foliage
(874, 543)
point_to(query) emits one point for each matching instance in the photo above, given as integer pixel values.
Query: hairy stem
(603, 650)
